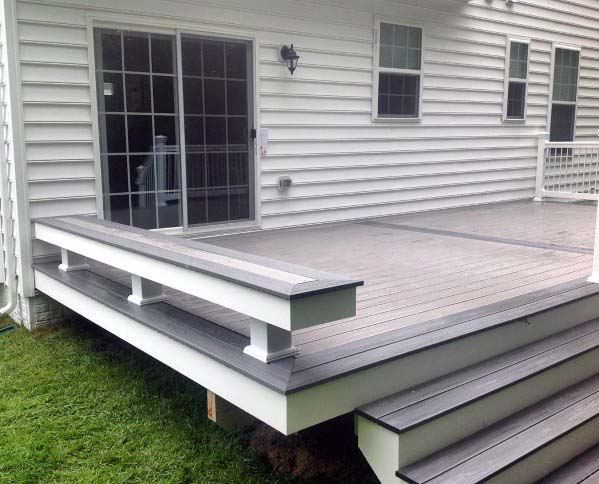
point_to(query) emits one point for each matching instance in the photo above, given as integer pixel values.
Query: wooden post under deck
(225, 414)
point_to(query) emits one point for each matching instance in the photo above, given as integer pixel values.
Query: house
(279, 133)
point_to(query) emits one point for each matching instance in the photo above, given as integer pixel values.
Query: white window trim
(176, 28)
(508, 79)
(376, 69)
(554, 48)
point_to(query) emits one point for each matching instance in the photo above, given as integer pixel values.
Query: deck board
(439, 268)
(438, 275)
(582, 470)
(504, 433)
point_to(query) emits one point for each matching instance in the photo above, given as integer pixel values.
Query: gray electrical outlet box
(284, 182)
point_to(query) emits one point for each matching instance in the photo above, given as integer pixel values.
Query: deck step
(521, 448)
(583, 469)
(435, 415)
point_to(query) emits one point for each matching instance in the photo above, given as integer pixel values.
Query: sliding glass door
(174, 142)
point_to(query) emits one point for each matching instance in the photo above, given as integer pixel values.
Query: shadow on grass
(127, 418)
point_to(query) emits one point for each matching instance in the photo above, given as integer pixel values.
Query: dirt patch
(329, 450)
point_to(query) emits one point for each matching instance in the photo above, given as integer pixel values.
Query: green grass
(77, 405)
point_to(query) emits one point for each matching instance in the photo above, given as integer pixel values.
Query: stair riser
(552, 456)
(380, 447)
(439, 433)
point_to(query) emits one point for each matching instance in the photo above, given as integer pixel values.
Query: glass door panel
(217, 145)
(138, 120)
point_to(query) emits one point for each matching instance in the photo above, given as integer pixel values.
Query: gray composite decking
(405, 410)
(509, 441)
(582, 470)
(429, 278)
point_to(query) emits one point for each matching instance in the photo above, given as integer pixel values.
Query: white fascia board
(243, 392)
(342, 395)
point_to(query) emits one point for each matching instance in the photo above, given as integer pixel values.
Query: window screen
(565, 79)
(401, 47)
(518, 60)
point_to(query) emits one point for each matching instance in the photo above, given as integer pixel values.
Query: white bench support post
(144, 291)
(70, 261)
(595, 275)
(269, 343)
(543, 138)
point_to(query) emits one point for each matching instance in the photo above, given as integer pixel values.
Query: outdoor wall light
(289, 55)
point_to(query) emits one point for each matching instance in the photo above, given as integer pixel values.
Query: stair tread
(405, 410)
(494, 449)
(582, 470)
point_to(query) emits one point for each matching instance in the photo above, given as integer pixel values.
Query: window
(517, 79)
(149, 180)
(398, 73)
(564, 94)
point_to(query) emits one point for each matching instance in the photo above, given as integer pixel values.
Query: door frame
(177, 28)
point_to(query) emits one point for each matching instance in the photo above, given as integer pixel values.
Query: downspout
(6, 203)
(8, 230)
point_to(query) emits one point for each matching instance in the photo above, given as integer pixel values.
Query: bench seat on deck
(278, 297)
(284, 280)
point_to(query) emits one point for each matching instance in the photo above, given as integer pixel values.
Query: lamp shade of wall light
(289, 55)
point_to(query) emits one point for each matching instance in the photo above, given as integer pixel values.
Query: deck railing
(567, 170)
(159, 174)
(570, 170)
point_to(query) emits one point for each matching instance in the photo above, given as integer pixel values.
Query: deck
(423, 273)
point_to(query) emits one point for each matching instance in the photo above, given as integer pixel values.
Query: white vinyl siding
(321, 131)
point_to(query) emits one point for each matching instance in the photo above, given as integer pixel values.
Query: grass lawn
(78, 405)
